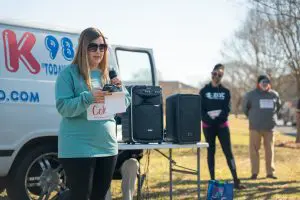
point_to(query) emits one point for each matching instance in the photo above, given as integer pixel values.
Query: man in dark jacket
(261, 106)
(215, 108)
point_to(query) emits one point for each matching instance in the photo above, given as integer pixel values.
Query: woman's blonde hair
(81, 56)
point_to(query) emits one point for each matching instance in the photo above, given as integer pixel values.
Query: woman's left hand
(116, 81)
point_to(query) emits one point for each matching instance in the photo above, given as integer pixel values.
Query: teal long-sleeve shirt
(79, 137)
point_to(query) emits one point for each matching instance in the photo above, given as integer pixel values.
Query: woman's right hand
(99, 95)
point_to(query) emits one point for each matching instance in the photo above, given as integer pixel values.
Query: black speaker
(143, 120)
(183, 116)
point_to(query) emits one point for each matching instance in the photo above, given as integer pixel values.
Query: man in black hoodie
(215, 108)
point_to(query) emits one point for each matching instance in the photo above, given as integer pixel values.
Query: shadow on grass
(262, 189)
(290, 134)
(183, 193)
(187, 189)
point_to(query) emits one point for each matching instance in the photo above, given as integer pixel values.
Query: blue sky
(185, 35)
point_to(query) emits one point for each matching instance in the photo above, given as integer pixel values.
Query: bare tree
(239, 80)
(283, 23)
(250, 53)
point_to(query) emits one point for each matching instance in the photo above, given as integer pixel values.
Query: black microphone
(112, 74)
(112, 87)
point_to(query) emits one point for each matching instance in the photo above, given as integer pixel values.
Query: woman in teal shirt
(87, 149)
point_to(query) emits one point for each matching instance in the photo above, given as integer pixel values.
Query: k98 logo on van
(36, 52)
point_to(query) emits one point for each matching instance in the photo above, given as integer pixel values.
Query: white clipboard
(114, 103)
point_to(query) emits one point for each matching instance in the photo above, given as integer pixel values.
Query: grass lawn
(287, 162)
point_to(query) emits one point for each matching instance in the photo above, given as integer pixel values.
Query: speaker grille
(189, 118)
(146, 115)
(149, 123)
(183, 118)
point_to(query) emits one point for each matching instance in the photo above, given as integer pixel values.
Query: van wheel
(37, 175)
(2, 185)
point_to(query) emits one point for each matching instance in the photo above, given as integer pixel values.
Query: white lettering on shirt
(215, 95)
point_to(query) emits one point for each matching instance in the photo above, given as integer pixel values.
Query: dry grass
(287, 162)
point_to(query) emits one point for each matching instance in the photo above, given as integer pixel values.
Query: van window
(135, 67)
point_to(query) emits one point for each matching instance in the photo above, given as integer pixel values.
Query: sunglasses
(93, 47)
(220, 75)
(265, 81)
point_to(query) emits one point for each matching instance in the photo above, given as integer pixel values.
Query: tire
(37, 171)
(2, 185)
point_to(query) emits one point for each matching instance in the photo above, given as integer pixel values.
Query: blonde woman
(87, 149)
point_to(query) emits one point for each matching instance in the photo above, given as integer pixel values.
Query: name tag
(214, 113)
(114, 103)
(266, 103)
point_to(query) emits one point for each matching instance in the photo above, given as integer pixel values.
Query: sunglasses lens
(216, 74)
(92, 47)
(265, 81)
(102, 47)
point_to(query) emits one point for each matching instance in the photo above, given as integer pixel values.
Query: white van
(30, 60)
(288, 112)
